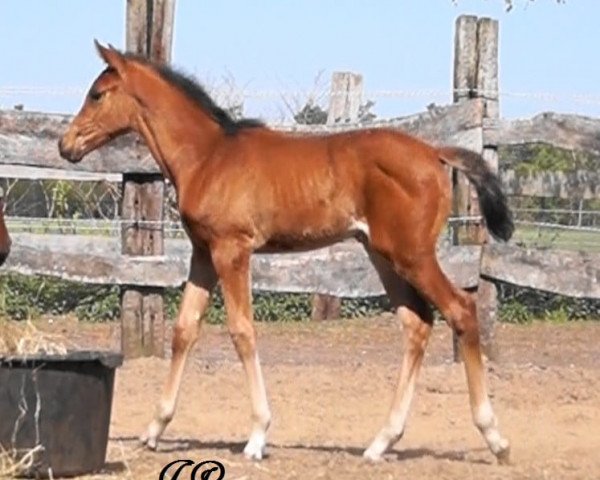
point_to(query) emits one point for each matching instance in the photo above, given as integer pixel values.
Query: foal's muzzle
(5, 250)
(4, 256)
(69, 154)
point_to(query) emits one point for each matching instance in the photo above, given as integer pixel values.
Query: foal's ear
(112, 57)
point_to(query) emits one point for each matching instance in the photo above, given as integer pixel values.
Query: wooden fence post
(476, 76)
(465, 71)
(487, 89)
(344, 104)
(345, 97)
(149, 30)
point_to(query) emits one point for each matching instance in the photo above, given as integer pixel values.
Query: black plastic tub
(61, 402)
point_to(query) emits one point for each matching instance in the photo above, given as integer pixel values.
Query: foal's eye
(95, 95)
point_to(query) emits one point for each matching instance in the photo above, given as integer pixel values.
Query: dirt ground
(330, 386)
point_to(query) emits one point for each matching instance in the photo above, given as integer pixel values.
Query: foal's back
(291, 191)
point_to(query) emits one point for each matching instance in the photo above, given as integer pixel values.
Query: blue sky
(280, 47)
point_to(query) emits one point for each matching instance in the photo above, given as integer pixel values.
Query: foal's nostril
(60, 147)
(3, 255)
(64, 152)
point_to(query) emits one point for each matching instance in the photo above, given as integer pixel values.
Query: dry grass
(14, 463)
(121, 457)
(23, 338)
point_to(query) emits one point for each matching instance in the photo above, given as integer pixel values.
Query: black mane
(189, 86)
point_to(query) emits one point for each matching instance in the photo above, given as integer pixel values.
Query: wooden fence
(143, 262)
(343, 269)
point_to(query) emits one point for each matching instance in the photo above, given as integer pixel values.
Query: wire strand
(265, 94)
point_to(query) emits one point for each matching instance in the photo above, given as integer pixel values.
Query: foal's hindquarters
(402, 249)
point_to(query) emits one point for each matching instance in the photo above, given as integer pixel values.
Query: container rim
(110, 359)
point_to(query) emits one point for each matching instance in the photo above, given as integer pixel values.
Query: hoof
(372, 456)
(254, 452)
(503, 456)
(148, 441)
(255, 448)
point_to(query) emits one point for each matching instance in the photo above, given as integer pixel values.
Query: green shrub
(364, 307)
(23, 297)
(521, 305)
(512, 311)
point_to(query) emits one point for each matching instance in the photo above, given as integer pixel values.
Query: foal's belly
(358, 230)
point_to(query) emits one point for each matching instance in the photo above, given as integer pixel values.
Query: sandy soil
(330, 385)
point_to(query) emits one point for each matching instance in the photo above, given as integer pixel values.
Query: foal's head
(131, 88)
(108, 111)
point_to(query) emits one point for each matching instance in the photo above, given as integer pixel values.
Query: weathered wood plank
(438, 125)
(30, 138)
(39, 173)
(55, 256)
(342, 269)
(578, 184)
(571, 132)
(575, 274)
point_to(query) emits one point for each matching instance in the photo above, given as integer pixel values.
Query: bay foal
(244, 188)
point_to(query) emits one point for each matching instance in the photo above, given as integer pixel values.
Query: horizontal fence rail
(28, 150)
(28, 146)
(342, 269)
(30, 138)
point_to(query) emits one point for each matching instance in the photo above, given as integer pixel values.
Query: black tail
(492, 200)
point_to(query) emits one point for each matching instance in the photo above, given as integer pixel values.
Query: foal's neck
(179, 134)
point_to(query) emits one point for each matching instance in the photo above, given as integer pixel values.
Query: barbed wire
(558, 226)
(265, 94)
(556, 211)
(176, 226)
(102, 224)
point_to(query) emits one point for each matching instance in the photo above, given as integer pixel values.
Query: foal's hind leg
(196, 295)
(459, 309)
(417, 319)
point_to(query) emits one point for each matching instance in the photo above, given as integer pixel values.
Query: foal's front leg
(196, 295)
(232, 263)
